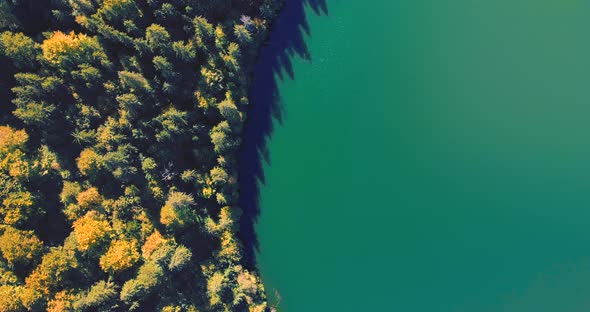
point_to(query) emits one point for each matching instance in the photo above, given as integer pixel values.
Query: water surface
(432, 156)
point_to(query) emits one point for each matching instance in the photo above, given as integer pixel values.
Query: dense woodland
(119, 126)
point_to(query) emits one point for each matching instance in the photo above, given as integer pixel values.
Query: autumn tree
(91, 231)
(20, 247)
(121, 255)
(178, 212)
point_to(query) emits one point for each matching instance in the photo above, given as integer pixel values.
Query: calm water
(433, 156)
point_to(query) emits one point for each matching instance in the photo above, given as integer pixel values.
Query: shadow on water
(286, 42)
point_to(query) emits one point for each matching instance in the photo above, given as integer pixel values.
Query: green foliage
(178, 211)
(148, 277)
(100, 297)
(22, 50)
(134, 82)
(54, 271)
(222, 139)
(173, 124)
(121, 144)
(158, 39)
(180, 258)
(242, 34)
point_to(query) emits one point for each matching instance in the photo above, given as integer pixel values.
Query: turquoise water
(432, 156)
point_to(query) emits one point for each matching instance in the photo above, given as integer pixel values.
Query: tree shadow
(285, 43)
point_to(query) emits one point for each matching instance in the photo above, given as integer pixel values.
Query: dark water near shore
(424, 156)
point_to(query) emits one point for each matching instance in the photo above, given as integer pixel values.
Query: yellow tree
(50, 275)
(122, 255)
(89, 199)
(20, 247)
(89, 162)
(152, 243)
(92, 230)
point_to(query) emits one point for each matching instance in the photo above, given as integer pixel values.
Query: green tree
(178, 212)
(148, 278)
(100, 297)
(22, 50)
(158, 39)
(222, 138)
(242, 34)
(180, 258)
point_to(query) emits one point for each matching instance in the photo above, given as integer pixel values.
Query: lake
(424, 155)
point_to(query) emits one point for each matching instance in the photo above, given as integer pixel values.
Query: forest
(120, 123)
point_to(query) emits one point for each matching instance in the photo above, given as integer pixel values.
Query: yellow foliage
(230, 250)
(30, 297)
(49, 275)
(89, 198)
(19, 246)
(59, 44)
(214, 286)
(250, 285)
(152, 243)
(177, 211)
(225, 217)
(11, 139)
(18, 166)
(208, 192)
(121, 255)
(10, 298)
(62, 302)
(91, 230)
(89, 161)
(203, 102)
(16, 207)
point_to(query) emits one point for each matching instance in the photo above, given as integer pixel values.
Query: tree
(89, 199)
(122, 255)
(204, 32)
(20, 247)
(22, 50)
(52, 273)
(152, 242)
(135, 82)
(148, 278)
(33, 98)
(18, 208)
(242, 34)
(99, 298)
(35, 113)
(10, 298)
(180, 258)
(61, 47)
(92, 231)
(63, 301)
(173, 124)
(184, 51)
(69, 192)
(11, 139)
(158, 39)
(222, 139)
(219, 176)
(119, 10)
(178, 212)
(216, 284)
(89, 162)
(230, 112)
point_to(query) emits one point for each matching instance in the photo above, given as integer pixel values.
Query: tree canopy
(118, 136)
